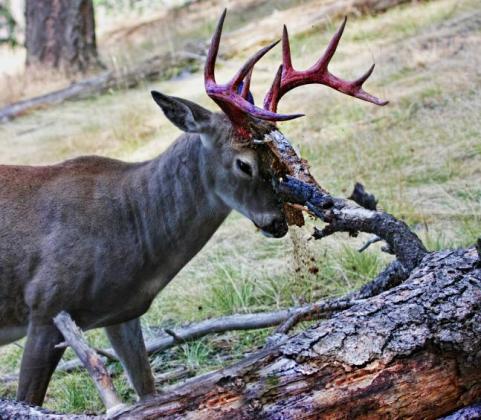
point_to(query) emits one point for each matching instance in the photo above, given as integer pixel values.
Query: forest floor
(420, 155)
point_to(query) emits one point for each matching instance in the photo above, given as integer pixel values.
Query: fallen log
(155, 67)
(413, 351)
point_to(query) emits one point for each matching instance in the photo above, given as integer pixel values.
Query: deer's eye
(244, 167)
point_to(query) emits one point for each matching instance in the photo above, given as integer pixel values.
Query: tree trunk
(60, 34)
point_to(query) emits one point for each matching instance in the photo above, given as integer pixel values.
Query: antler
(233, 103)
(232, 98)
(287, 78)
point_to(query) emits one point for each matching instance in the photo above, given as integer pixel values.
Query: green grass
(420, 155)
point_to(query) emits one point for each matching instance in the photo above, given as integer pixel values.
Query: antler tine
(249, 65)
(288, 78)
(362, 94)
(234, 104)
(323, 62)
(209, 69)
(286, 50)
(247, 84)
(272, 97)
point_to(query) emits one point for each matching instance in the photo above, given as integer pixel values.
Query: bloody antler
(287, 78)
(235, 104)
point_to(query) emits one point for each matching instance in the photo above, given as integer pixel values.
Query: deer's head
(242, 161)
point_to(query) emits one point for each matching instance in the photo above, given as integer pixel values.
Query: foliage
(8, 26)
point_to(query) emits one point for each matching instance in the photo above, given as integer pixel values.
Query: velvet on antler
(232, 98)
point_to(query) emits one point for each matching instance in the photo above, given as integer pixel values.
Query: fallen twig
(89, 358)
(369, 242)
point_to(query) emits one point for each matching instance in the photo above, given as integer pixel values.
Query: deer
(100, 238)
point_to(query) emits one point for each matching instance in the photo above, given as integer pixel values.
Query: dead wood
(285, 319)
(237, 322)
(413, 351)
(90, 359)
(342, 216)
(16, 410)
(154, 68)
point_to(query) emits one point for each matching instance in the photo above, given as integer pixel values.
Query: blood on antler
(235, 104)
(287, 78)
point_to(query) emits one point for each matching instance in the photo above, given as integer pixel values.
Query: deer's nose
(277, 228)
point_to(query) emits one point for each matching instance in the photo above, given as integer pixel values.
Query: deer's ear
(184, 114)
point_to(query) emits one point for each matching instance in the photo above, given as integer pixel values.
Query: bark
(60, 34)
(413, 351)
(16, 410)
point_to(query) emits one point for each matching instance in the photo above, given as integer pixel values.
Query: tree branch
(342, 216)
(90, 359)
(238, 322)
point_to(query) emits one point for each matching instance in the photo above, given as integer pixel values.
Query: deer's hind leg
(128, 343)
(39, 360)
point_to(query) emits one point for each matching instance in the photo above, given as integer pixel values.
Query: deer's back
(54, 218)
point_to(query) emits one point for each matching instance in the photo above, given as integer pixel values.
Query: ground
(421, 156)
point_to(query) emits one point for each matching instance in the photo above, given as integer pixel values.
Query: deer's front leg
(39, 360)
(128, 343)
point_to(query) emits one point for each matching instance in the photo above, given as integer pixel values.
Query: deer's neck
(174, 207)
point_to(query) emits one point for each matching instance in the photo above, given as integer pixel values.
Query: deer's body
(90, 233)
(99, 238)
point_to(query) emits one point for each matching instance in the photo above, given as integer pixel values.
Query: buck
(100, 238)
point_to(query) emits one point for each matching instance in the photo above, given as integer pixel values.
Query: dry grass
(126, 38)
(420, 155)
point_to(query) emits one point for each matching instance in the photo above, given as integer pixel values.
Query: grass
(420, 155)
